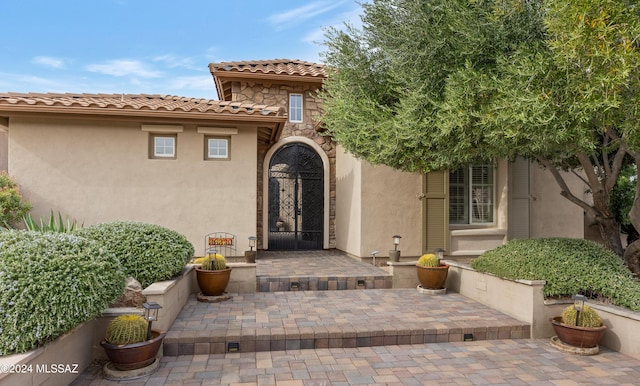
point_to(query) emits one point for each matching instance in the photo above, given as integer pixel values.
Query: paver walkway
(499, 362)
(400, 312)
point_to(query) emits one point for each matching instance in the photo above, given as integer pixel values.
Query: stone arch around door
(271, 172)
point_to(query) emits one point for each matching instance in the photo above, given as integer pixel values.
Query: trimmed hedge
(49, 284)
(147, 252)
(569, 266)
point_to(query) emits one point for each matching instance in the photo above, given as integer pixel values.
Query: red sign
(221, 241)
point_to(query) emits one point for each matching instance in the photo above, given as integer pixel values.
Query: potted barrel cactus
(432, 273)
(213, 275)
(581, 328)
(128, 344)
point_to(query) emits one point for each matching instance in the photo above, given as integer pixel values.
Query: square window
(216, 148)
(295, 107)
(162, 146)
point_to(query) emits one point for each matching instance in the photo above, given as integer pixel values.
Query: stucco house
(254, 163)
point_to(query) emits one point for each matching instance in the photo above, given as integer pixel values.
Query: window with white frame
(217, 147)
(471, 195)
(295, 107)
(163, 145)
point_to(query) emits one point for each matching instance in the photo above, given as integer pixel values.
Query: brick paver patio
(332, 337)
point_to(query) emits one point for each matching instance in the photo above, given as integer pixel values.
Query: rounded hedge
(147, 252)
(569, 266)
(49, 284)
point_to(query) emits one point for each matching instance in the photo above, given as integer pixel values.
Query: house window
(216, 147)
(162, 146)
(295, 107)
(471, 195)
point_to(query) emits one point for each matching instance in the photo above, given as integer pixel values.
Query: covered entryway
(296, 198)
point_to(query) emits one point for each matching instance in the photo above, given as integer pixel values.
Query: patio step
(296, 320)
(322, 283)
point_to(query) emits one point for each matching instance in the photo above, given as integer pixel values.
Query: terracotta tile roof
(275, 66)
(130, 104)
(284, 70)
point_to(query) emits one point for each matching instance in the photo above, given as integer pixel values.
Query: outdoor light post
(394, 255)
(250, 255)
(578, 304)
(151, 310)
(439, 252)
(396, 242)
(373, 254)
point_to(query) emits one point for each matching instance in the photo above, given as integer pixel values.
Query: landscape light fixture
(373, 254)
(439, 252)
(151, 315)
(252, 242)
(396, 242)
(578, 303)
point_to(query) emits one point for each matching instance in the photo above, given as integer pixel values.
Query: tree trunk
(610, 233)
(632, 257)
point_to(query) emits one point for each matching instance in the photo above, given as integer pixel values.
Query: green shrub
(147, 252)
(569, 266)
(49, 284)
(12, 205)
(52, 225)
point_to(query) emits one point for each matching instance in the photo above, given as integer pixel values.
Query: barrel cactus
(127, 329)
(214, 262)
(428, 260)
(588, 317)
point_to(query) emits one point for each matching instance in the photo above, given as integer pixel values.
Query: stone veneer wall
(278, 95)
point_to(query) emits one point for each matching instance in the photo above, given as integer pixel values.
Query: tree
(431, 85)
(12, 205)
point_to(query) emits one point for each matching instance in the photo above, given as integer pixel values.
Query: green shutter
(519, 199)
(436, 209)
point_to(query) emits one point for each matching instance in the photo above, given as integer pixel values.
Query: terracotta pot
(432, 277)
(133, 356)
(585, 337)
(213, 283)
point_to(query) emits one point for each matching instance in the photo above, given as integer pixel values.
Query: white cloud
(298, 15)
(49, 61)
(173, 61)
(124, 67)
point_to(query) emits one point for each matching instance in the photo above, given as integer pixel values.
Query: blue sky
(154, 47)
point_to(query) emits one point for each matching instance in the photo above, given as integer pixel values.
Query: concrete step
(291, 320)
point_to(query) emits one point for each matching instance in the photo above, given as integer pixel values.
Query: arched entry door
(296, 201)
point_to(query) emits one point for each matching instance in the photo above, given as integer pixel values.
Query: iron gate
(296, 198)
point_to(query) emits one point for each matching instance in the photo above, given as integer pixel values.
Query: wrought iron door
(296, 198)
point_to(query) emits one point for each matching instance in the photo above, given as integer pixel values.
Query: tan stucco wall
(98, 171)
(551, 214)
(4, 149)
(373, 204)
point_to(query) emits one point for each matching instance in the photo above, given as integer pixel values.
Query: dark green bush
(569, 266)
(49, 284)
(147, 252)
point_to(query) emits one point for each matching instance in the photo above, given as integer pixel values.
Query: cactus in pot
(428, 260)
(127, 329)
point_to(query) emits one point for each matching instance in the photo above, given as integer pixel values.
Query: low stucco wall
(172, 295)
(524, 300)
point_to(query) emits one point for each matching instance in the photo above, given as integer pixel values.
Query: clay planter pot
(432, 277)
(250, 256)
(213, 283)
(584, 337)
(394, 255)
(133, 356)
